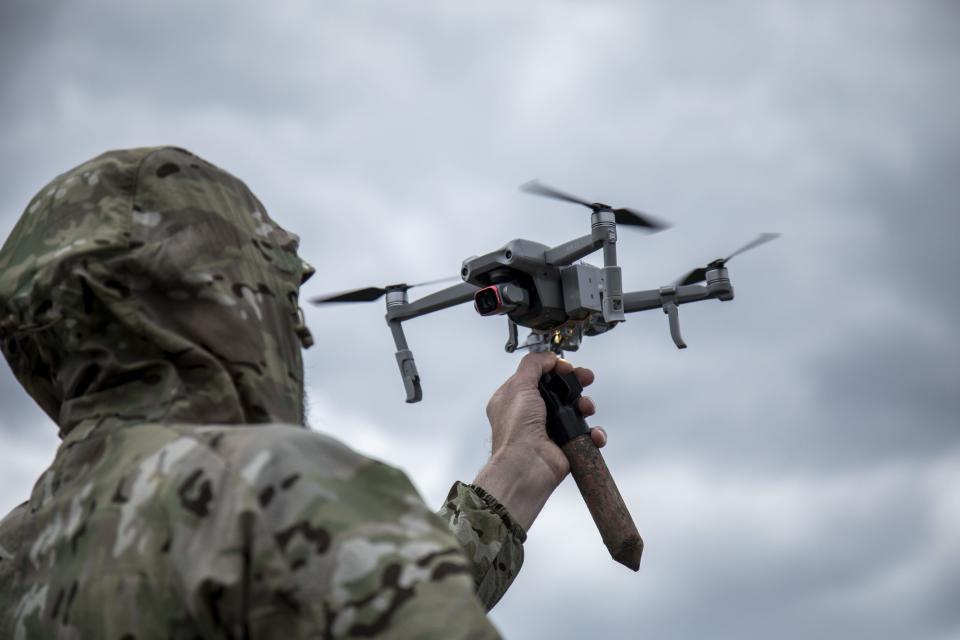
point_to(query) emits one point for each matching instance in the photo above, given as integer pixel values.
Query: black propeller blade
(763, 238)
(627, 217)
(700, 273)
(538, 188)
(369, 294)
(697, 275)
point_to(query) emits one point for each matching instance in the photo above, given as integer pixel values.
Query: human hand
(525, 466)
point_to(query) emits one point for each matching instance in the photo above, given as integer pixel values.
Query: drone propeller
(700, 273)
(369, 294)
(622, 216)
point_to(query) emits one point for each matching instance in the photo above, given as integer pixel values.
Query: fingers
(584, 376)
(599, 436)
(587, 406)
(533, 365)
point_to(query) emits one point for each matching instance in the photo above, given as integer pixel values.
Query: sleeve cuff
(494, 505)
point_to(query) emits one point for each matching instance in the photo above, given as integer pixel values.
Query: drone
(550, 290)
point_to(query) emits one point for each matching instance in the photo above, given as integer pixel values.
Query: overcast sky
(796, 471)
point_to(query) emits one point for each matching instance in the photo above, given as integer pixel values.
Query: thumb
(533, 366)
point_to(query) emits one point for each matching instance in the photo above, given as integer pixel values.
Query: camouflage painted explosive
(149, 304)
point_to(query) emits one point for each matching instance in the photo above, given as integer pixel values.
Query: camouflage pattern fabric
(491, 538)
(149, 305)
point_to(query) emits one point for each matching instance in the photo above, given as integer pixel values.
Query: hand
(525, 466)
(518, 415)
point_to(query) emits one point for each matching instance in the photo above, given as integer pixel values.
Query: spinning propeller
(369, 294)
(700, 273)
(627, 217)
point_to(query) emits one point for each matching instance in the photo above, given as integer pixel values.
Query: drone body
(549, 290)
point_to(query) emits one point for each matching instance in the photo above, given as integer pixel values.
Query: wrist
(522, 484)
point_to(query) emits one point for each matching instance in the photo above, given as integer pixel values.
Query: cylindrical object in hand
(604, 501)
(567, 428)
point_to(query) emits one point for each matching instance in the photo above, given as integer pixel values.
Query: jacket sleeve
(329, 544)
(491, 538)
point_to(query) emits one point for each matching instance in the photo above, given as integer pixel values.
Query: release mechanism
(511, 344)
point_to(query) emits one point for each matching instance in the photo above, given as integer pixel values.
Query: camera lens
(487, 301)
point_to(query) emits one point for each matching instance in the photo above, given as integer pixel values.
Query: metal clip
(511, 345)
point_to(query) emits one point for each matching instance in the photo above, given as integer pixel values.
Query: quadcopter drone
(548, 290)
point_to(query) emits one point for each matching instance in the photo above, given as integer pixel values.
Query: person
(149, 304)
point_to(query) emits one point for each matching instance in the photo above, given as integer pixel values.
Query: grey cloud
(885, 395)
(391, 137)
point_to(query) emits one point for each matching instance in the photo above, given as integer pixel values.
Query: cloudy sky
(795, 472)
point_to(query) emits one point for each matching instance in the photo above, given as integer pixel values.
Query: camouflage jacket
(149, 305)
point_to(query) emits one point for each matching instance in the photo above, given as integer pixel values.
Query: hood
(147, 285)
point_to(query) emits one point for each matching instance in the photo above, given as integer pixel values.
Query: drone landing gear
(670, 308)
(668, 298)
(408, 367)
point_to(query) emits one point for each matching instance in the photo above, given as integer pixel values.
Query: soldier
(149, 304)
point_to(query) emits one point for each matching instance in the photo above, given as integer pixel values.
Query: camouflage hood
(150, 286)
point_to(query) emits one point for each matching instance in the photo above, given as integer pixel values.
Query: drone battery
(581, 289)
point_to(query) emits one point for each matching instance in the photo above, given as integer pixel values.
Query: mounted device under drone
(540, 287)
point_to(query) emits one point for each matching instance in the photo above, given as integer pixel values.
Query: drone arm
(641, 300)
(569, 252)
(667, 298)
(449, 297)
(401, 310)
(654, 298)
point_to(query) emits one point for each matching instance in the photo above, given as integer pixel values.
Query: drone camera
(487, 301)
(499, 299)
